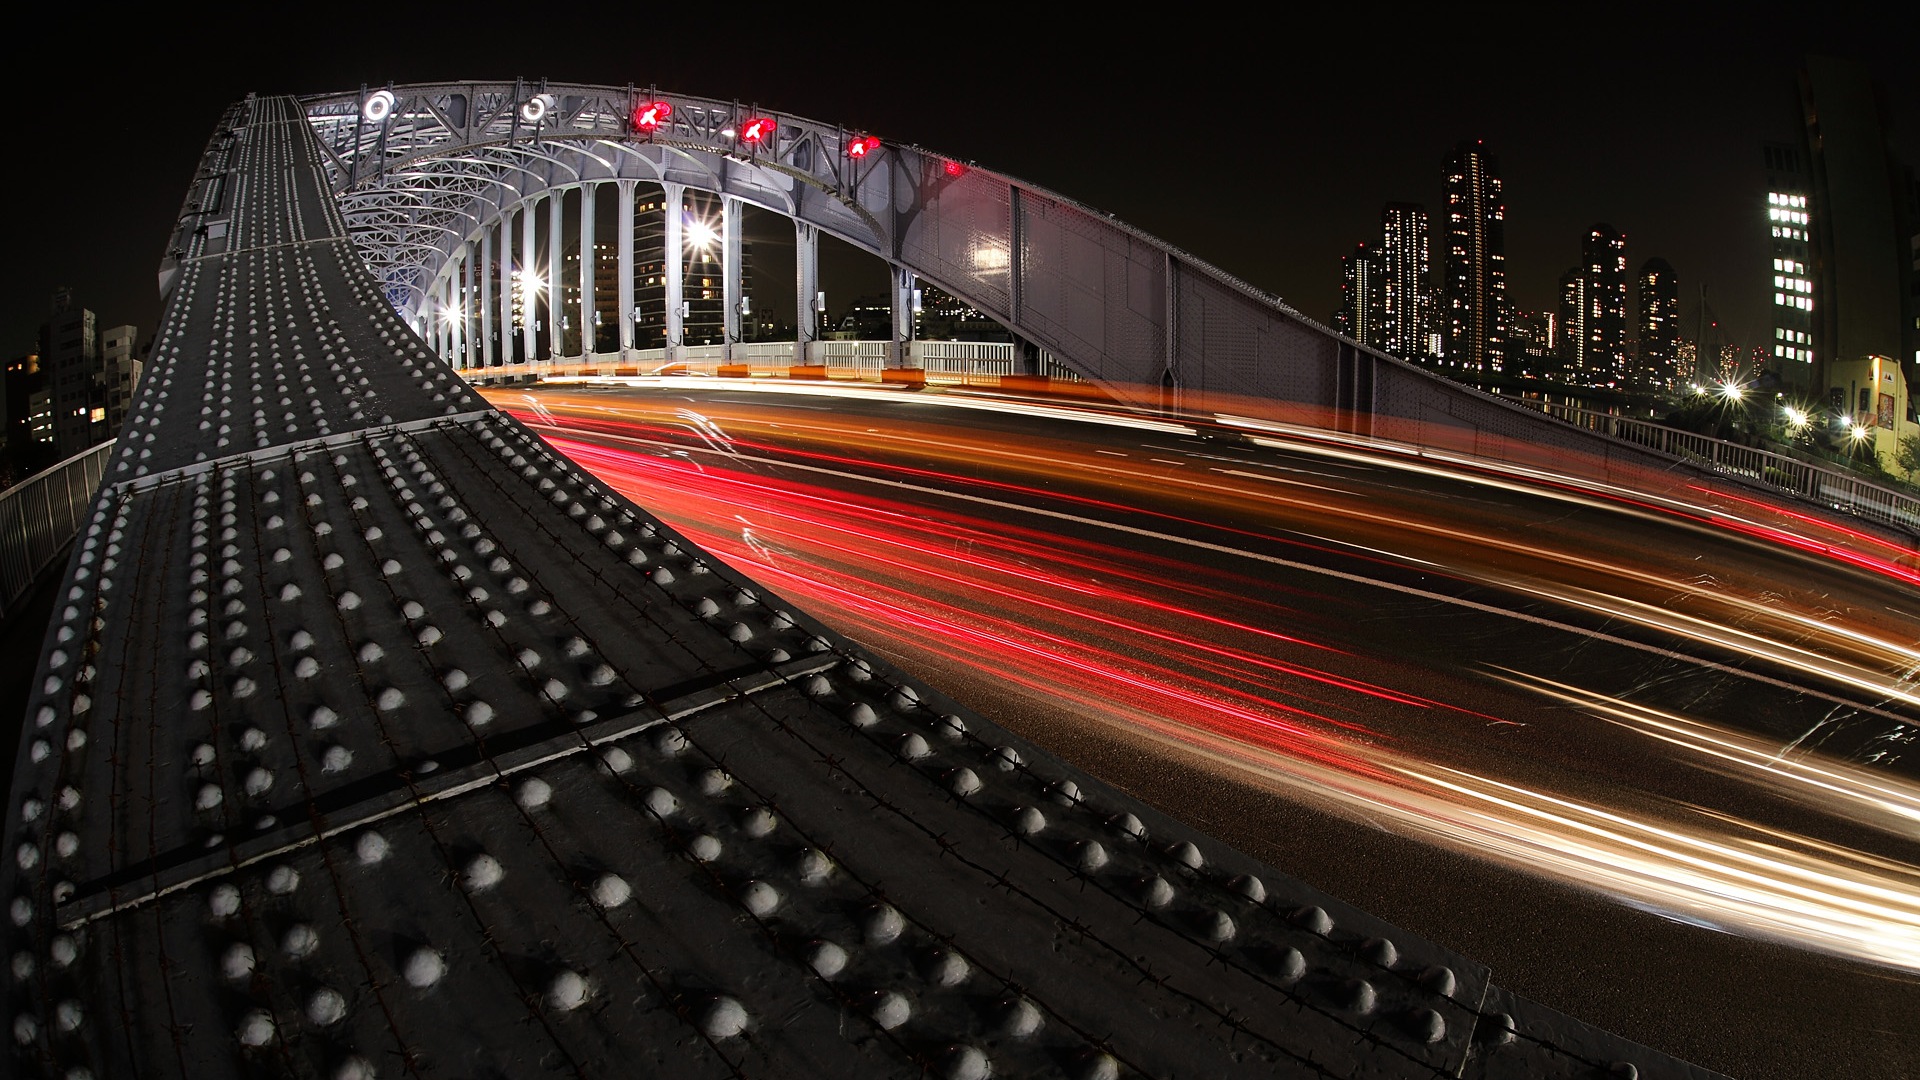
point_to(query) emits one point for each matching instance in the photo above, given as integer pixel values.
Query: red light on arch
(954, 168)
(861, 145)
(649, 115)
(758, 129)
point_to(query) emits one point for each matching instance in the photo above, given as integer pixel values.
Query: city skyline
(1671, 157)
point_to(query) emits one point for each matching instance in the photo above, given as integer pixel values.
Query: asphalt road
(1645, 757)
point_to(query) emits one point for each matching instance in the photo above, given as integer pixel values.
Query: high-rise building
(1658, 327)
(1531, 340)
(70, 350)
(1362, 314)
(1475, 272)
(1605, 266)
(1572, 351)
(29, 436)
(1854, 216)
(1790, 220)
(1407, 293)
(89, 379)
(120, 369)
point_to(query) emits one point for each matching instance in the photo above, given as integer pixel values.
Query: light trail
(1215, 661)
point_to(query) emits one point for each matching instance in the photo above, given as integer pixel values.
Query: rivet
(758, 822)
(1019, 1018)
(890, 1010)
(1028, 821)
(813, 867)
(611, 890)
(1313, 919)
(256, 1028)
(724, 1019)
(1250, 887)
(282, 880)
(1156, 892)
(1218, 927)
(370, 848)
(883, 924)
(759, 897)
(533, 793)
(424, 967)
(237, 962)
(299, 941)
(569, 991)
(966, 1063)
(483, 872)
(944, 967)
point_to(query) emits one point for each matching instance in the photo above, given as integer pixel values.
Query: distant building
(1605, 266)
(1789, 221)
(1572, 351)
(72, 394)
(1474, 276)
(120, 369)
(1532, 340)
(1363, 281)
(29, 417)
(70, 351)
(1406, 316)
(1658, 328)
(1856, 219)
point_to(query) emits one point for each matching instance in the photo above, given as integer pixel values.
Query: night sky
(1261, 144)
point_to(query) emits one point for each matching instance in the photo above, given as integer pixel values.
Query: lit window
(1780, 298)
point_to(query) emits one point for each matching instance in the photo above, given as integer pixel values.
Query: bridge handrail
(1821, 483)
(40, 514)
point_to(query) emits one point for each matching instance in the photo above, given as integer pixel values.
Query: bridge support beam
(589, 260)
(470, 292)
(625, 247)
(506, 285)
(555, 258)
(806, 268)
(529, 281)
(730, 296)
(673, 264)
(485, 272)
(901, 297)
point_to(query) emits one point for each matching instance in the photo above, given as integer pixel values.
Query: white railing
(859, 357)
(1827, 484)
(964, 363)
(40, 514)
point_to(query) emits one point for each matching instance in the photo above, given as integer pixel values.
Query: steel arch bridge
(371, 737)
(427, 174)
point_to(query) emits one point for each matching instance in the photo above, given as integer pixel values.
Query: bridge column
(555, 299)
(454, 318)
(901, 296)
(730, 295)
(806, 269)
(484, 271)
(674, 263)
(529, 280)
(589, 261)
(506, 285)
(468, 290)
(625, 187)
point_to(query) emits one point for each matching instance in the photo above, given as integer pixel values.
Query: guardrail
(1838, 488)
(40, 514)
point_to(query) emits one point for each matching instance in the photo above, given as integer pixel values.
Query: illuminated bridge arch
(422, 173)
